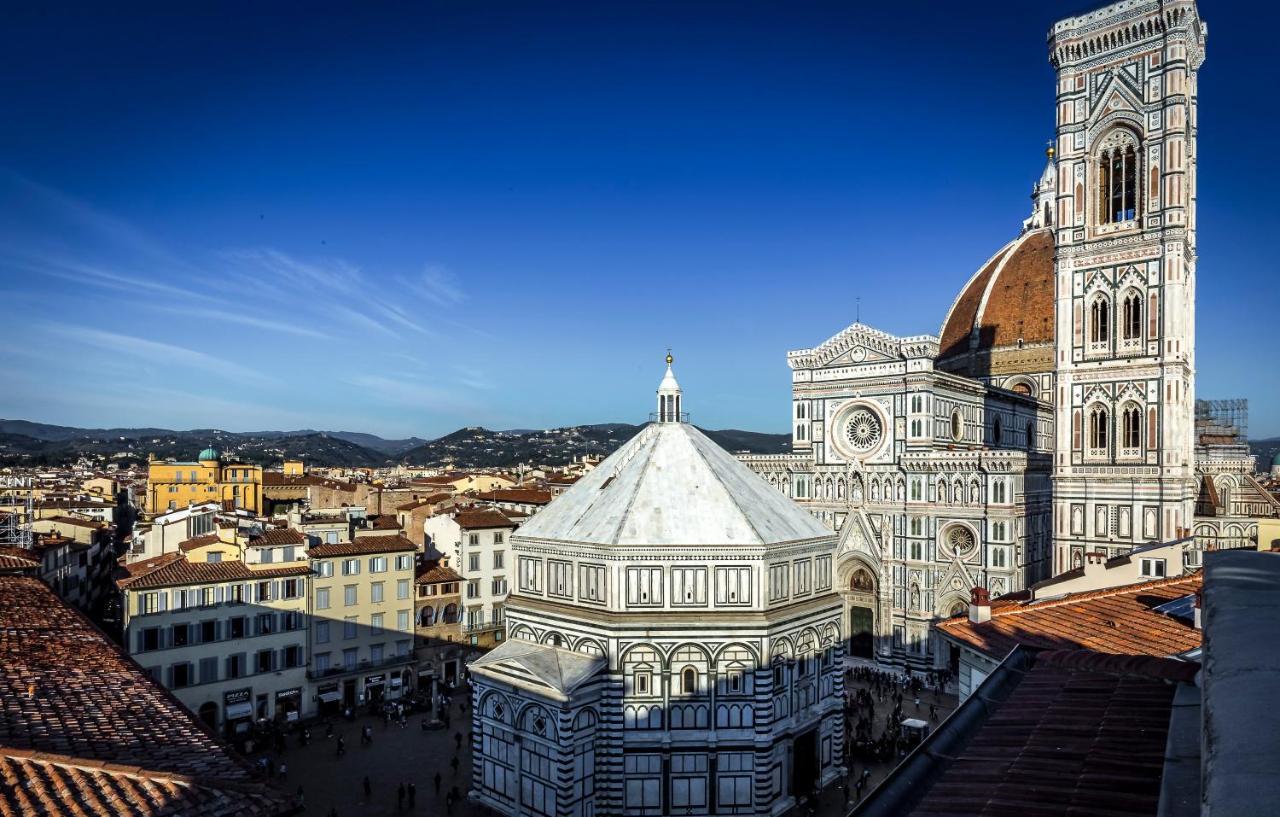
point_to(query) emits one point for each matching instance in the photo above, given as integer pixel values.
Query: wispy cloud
(157, 353)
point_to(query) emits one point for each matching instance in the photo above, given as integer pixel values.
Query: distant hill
(1265, 451)
(482, 448)
(40, 444)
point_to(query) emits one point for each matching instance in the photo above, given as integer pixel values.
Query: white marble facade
(1052, 415)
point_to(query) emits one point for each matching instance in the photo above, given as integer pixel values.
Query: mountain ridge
(23, 442)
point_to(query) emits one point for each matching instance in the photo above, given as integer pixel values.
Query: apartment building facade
(226, 637)
(362, 625)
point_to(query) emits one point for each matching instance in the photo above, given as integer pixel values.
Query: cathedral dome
(208, 455)
(1002, 321)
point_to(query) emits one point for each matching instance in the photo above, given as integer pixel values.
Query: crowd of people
(273, 740)
(871, 740)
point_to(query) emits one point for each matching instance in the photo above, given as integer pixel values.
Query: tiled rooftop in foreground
(84, 731)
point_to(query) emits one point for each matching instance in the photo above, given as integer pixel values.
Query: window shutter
(276, 589)
(163, 599)
(218, 594)
(142, 641)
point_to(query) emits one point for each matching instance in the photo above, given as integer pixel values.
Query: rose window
(864, 430)
(960, 540)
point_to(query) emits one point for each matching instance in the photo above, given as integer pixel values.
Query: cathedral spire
(669, 395)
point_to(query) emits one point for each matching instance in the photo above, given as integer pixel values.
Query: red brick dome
(1006, 305)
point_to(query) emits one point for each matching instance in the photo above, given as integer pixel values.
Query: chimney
(1199, 604)
(980, 605)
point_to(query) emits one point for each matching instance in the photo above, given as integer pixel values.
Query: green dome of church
(1275, 460)
(209, 454)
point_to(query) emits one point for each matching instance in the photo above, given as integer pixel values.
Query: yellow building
(293, 468)
(173, 485)
(362, 621)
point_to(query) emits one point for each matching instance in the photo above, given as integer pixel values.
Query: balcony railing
(363, 664)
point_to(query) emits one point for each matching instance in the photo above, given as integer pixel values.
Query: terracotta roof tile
(481, 518)
(1081, 733)
(272, 537)
(437, 574)
(1118, 620)
(529, 496)
(17, 560)
(361, 546)
(77, 522)
(198, 542)
(83, 730)
(177, 571)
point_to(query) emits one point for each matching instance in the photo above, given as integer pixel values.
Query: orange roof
(77, 522)
(529, 496)
(199, 542)
(480, 518)
(438, 573)
(173, 570)
(85, 730)
(17, 560)
(1118, 620)
(272, 537)
(362, 546)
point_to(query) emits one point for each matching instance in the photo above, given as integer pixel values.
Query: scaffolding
(16, 512)
(1222, 422)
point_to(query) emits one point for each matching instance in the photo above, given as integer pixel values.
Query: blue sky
(403, 218)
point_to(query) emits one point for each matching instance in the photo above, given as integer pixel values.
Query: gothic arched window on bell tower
(1131, 318)
(1131, 430)
(1099, 323)
(1116, 191)
(1099, 430)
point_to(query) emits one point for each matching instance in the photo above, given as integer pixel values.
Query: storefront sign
(373, 681)
(237, 696)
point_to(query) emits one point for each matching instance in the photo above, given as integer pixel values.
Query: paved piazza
(411, 755)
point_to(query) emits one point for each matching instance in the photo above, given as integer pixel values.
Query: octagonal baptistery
(673, 643)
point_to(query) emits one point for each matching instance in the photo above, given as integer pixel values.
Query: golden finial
(1049, 151)
(670, 359)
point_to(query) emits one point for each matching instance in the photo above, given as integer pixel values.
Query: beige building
(437, 620)
(484, 562)
(362, 621)
(226, 637)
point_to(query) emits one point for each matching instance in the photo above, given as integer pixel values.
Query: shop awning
(236, 711)
(330, 697)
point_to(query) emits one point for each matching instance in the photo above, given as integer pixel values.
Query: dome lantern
(669, 396)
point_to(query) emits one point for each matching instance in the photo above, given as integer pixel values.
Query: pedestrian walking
(454, 764)
(413, 794)
(400, 792)
(437, 781)
(368, 788)
(284, 771)
(457, 741)
(342, 746)
(448, 803)
(299, 800)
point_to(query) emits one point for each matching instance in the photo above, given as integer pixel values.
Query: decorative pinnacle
(670, 359)
(1049, 151)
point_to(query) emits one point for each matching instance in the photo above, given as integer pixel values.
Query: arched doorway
(862, 616)
(209, 714)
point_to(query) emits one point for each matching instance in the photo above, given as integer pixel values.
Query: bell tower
(1125, 270)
